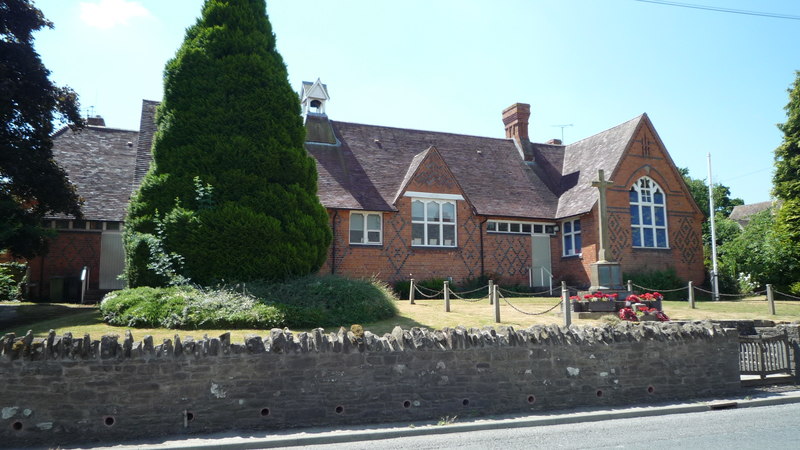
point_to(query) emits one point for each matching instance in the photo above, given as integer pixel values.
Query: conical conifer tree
(231, 194)
(786, 182)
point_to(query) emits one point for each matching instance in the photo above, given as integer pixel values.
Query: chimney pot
(554, 142)
(515, 119)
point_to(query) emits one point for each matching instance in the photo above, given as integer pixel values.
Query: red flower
(587, 296)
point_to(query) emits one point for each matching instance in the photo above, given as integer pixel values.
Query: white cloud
(106, 14)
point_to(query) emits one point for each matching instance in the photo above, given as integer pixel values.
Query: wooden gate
(764, 355)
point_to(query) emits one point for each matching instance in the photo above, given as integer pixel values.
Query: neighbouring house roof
(742, 213)
(100, 162)
(372, 163)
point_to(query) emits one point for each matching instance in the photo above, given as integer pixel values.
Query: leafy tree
(723, 205)
(31, 183)
(231, 190)
(760, 251)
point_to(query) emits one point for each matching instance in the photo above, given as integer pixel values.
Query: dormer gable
(313, 98)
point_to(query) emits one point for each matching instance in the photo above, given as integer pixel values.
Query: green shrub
(185, 307)
(659, 281)
(326, 301)
(306, 302)
(12, 278)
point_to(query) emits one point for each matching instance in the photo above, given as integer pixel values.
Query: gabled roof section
(100, 161)
(373, 162)
(315, 90)
(584, 158)
(412, 169)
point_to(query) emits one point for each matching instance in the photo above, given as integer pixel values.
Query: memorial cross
(602, 185)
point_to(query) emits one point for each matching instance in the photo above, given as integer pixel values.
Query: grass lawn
(425, 313)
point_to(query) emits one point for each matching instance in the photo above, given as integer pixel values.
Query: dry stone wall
(66, 390)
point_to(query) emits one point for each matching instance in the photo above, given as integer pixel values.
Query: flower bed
(595, 302)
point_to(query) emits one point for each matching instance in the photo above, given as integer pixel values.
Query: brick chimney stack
(95, 121)
(515, 118)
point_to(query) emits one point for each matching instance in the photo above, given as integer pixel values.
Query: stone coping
(108, 347)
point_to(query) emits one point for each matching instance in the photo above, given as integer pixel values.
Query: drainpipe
(480, 232)
(333, 242)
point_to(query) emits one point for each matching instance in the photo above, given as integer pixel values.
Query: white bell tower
(313, 97)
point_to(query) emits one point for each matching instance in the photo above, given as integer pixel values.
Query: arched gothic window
(648, 215)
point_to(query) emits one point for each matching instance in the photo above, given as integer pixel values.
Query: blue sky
(710, 81)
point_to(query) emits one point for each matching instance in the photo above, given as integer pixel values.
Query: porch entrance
(541, 270)
(112, 260)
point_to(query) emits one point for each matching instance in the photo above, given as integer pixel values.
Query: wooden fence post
(411, 292)
(491, 291)
(565, 304)
(771, 299)
(691, 295)
(496, 305)
(446, 296)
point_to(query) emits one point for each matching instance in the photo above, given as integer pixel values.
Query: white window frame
(507, 227)
(570, 236)
(426, 222)
(646, 189)
(366, 230)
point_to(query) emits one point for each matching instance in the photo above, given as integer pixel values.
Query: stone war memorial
(62, 390)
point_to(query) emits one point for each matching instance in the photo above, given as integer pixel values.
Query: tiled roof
(584, 158)
(365, 166)
(368, 168)
(147, 127)
(100, 162)
(742, 213)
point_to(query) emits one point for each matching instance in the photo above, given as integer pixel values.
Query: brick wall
(60, 390)
(67, 253)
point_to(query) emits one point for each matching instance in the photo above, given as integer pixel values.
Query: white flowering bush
(188, 307)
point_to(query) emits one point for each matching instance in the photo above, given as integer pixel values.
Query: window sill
(359, 244)
(651, 248)
(433, 247)
(578, 256)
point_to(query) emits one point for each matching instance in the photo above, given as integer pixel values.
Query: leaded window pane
(449, 235)
(661, 237)
(568, 245)
(567, 227)
(448, 213)
(374, 222)
(417, 210)
(634, 214)
(502, 226)
(658, 198)
(648, 237)
(647, 218)
(578, 243)
(433, 211)
(433, 234)
(526, 228)
(636, 237)
(417, 234)
(659, 216)
(356, 228)
(634, 197)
